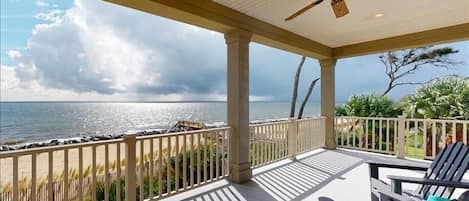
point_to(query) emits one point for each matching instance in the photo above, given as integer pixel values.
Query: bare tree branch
(295, 87)
(305, 100)
(400, 64)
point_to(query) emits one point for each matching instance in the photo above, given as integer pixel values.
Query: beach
(42, 159)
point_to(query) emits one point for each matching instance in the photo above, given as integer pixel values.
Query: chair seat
(379, 187)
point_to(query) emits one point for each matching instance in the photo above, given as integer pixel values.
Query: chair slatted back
(449, 165)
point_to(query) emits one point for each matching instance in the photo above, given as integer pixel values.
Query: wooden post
(328, 100)
(401, 137)
(238, 104)
(130, 141)
(292, 137)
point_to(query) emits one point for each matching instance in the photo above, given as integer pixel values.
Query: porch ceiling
(317, 33)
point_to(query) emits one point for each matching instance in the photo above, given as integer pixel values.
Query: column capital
(238, 35)
(327, 62)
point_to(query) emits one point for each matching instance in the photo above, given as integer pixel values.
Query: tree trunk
(295, 87)
(388, 89)
(311, 87)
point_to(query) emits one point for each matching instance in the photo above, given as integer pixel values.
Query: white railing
(310, 134)
(145, 167)
(426, 137)
(417, 138)
(152, 166)
(67, 172)
(270, 142)
(367, 133)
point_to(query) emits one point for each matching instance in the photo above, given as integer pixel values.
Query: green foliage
(368, 105)
(445, 98)
(202, 150)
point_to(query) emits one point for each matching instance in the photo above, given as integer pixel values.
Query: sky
(85, 50)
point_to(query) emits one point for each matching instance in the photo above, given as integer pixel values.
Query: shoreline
(13, 145)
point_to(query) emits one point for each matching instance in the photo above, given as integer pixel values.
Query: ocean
(38, 121)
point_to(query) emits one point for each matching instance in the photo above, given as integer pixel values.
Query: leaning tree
(400, 64)
(295, 91)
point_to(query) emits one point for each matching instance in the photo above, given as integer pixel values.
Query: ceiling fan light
(339, 7)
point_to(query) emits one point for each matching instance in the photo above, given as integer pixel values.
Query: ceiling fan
(339, 7)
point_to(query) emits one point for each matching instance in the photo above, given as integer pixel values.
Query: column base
(240, 173)
(330, 147)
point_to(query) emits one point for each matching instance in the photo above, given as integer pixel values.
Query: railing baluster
(395, 137)
(184, 162)
(443, 132)
(50, 183)
(380, 138)
(205, 147)
(34, 177)
(80, 174)
(15, 178)
(217, 154)
(192, 161)
(454, 132)
(223, 166)
(210, 154)
(271, 143)
(118, 171)
(176, 165)
(151, 171)
(93, 173)
(168, 166)
(424, 139)
(373, 143)
(65, 175)
(433, 139)
(354, 133)
(387, 135)
(106, 172)
(366, 134)
(416, 125)
(160, 166)
(141, 169)
(258, 145)
(277, 141)
(198, 158)
(464, 130)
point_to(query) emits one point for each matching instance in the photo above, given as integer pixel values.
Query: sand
(24, 162)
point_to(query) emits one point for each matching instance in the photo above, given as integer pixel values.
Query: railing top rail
(440, 120)
(268, 123)
(369, 118)
(39, 150)
(311, 118)
(181, 133)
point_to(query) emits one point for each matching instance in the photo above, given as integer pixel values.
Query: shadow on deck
(323, 175)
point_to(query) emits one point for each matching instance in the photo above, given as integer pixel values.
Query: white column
(328, 100)
(238, 104)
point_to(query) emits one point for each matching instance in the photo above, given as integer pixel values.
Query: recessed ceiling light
(377, 15)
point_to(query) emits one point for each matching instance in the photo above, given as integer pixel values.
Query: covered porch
(372, 27)
(305, 159)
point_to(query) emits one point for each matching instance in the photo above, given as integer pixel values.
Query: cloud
(40, 3)
(97, 47)
(51, 16)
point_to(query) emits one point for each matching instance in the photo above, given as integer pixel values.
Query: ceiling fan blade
(304, 9)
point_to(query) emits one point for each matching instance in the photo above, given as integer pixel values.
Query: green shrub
(369, 105)
(445, 98)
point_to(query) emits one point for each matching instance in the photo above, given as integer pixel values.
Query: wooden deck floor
(322, 175)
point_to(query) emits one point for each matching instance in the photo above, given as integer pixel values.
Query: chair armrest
(375, 165)
(453, 184)
(385, 195)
